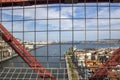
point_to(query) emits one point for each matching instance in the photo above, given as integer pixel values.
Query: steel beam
(5, 3)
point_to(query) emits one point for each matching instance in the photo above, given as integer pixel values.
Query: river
(52, 55)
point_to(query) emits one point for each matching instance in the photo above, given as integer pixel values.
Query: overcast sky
(64, 18)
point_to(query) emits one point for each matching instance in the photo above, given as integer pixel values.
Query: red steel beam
(24, 54)
(112, 62)
(5, 3)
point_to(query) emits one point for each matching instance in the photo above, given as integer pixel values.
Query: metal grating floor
(25, 73)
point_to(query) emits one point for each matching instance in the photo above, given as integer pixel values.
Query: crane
(24, 54)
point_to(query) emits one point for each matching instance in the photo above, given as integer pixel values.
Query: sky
(63, 22)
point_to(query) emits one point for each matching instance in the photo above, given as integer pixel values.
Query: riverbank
(8, 58)
(14, 55)
(72, 73)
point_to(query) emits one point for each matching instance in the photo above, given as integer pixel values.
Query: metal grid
(65, 25)
(21, 73)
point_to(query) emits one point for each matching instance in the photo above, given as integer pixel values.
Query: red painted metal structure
(113, 61)
(5, 3)
(24, 54)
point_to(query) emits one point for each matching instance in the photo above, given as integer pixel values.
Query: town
(81, 64)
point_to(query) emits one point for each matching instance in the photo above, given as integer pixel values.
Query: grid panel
(13, 73)
(49, 30)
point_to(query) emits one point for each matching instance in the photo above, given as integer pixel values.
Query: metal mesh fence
(72, 41)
